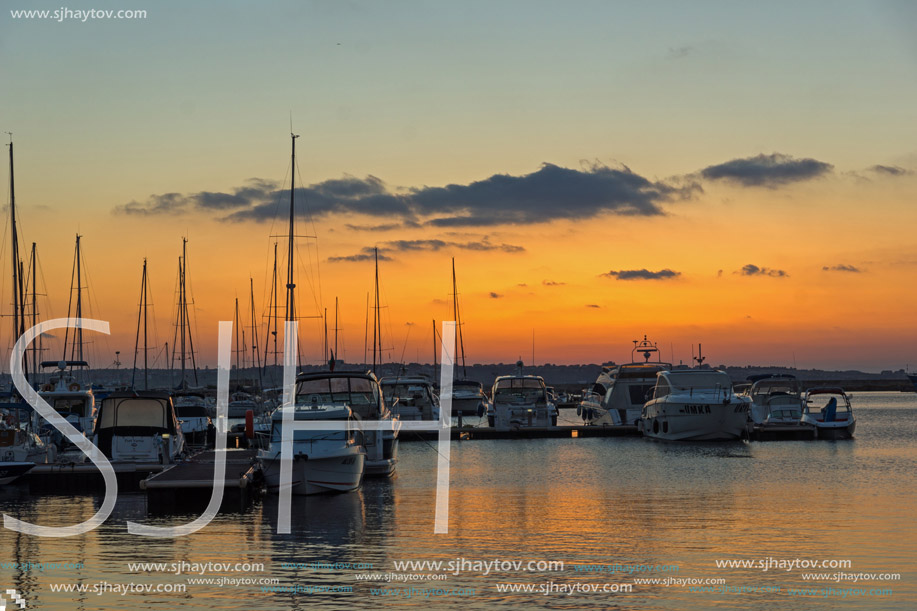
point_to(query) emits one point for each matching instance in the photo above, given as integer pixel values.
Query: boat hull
(823, 431)
(318, 475)
(11, 471)
(696, 421)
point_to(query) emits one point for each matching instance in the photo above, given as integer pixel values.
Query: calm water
(601, 502)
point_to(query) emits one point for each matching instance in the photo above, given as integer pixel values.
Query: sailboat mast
(78, 340)
(336, 312)
(18, 312)
(457, 318)
(36, 347)
(325, 320)
(256, 356)
(377, 328)
(291, 305)
(142, 318)
(235, 323)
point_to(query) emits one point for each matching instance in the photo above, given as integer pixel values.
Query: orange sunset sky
(739, 176)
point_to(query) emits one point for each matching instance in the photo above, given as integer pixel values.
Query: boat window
(71, 405)
(134, 412)
(191, 411)
(360, 394)
(662, 388)
(640, 393)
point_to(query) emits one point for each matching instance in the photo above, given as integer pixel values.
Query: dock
(552, 432)
(69, 478)
(780, 432)
(188, 485)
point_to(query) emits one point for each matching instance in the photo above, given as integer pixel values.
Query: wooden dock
(188, 485)
(553, 432)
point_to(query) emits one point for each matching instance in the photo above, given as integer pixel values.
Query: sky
(737, 175)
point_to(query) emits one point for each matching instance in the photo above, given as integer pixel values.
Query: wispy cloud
(549, 193)
(770, 171)
(890, 170)
(552, 283)
(754, 270)
(593, 305)
(842, 268)
(494, 295)
(642, 274)
(432, 245)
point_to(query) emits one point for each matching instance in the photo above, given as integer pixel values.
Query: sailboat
(468, 397)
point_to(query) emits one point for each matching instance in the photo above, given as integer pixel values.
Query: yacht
(360, 392)
(411, 397)
(20, 448)
(618, 395)
(469, 398)
(828, 410)
(694, 405)
(521, 401)
(323, 460)
(139, 427)
(196, 423)
(776, 400)
(72, 400)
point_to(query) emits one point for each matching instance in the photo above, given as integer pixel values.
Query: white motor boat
(360, 392)
(521, 401)
(323, 460)
(469, 398)
(828, 409)
(694, 405)
(196, 423)
(411, 397)
(139, 427)
(620, 391)
(72, 400)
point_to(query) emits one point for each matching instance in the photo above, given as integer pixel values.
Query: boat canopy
(142, 411)
(359, 392)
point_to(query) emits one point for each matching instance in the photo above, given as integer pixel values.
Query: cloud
(642, 274)
(593, 305)
(552, 283)
(679, 52)
(494, 295)
(890, 170)
(431, 245)
(754, 270)
(768, 171)
(841, 268)
(549, 193)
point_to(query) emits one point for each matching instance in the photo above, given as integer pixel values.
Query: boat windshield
(298, 435)
(775, 388)
(191, 411)
(359, 394)
(520, 390)
(404, 391)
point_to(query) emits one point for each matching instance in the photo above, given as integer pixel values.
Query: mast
(434, 348)
(377, 327)
(235, 323)
(272, 314)
(256, 356)
(366, 330)
(142, 317)
(457, 318)
(325, 320)
(36, 348)
(18, 306)
(336, 329)
(76, 350)
(291, 305)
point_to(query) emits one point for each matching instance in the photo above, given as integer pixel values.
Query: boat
(468, 396)
(913, 378)
(411, 397)
(70, 399)
(240, 403)
(694, 405)
(776, 407)
(194, 417)
(359, 391)
(521, 401)
(139, 427)
(20, 448)
(620, 391)
(828, 410)
(323, 461)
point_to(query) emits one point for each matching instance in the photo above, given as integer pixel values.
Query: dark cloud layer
(768, 171)
(754, 270)
(642, 274)
(890, 170)
(550, 193)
